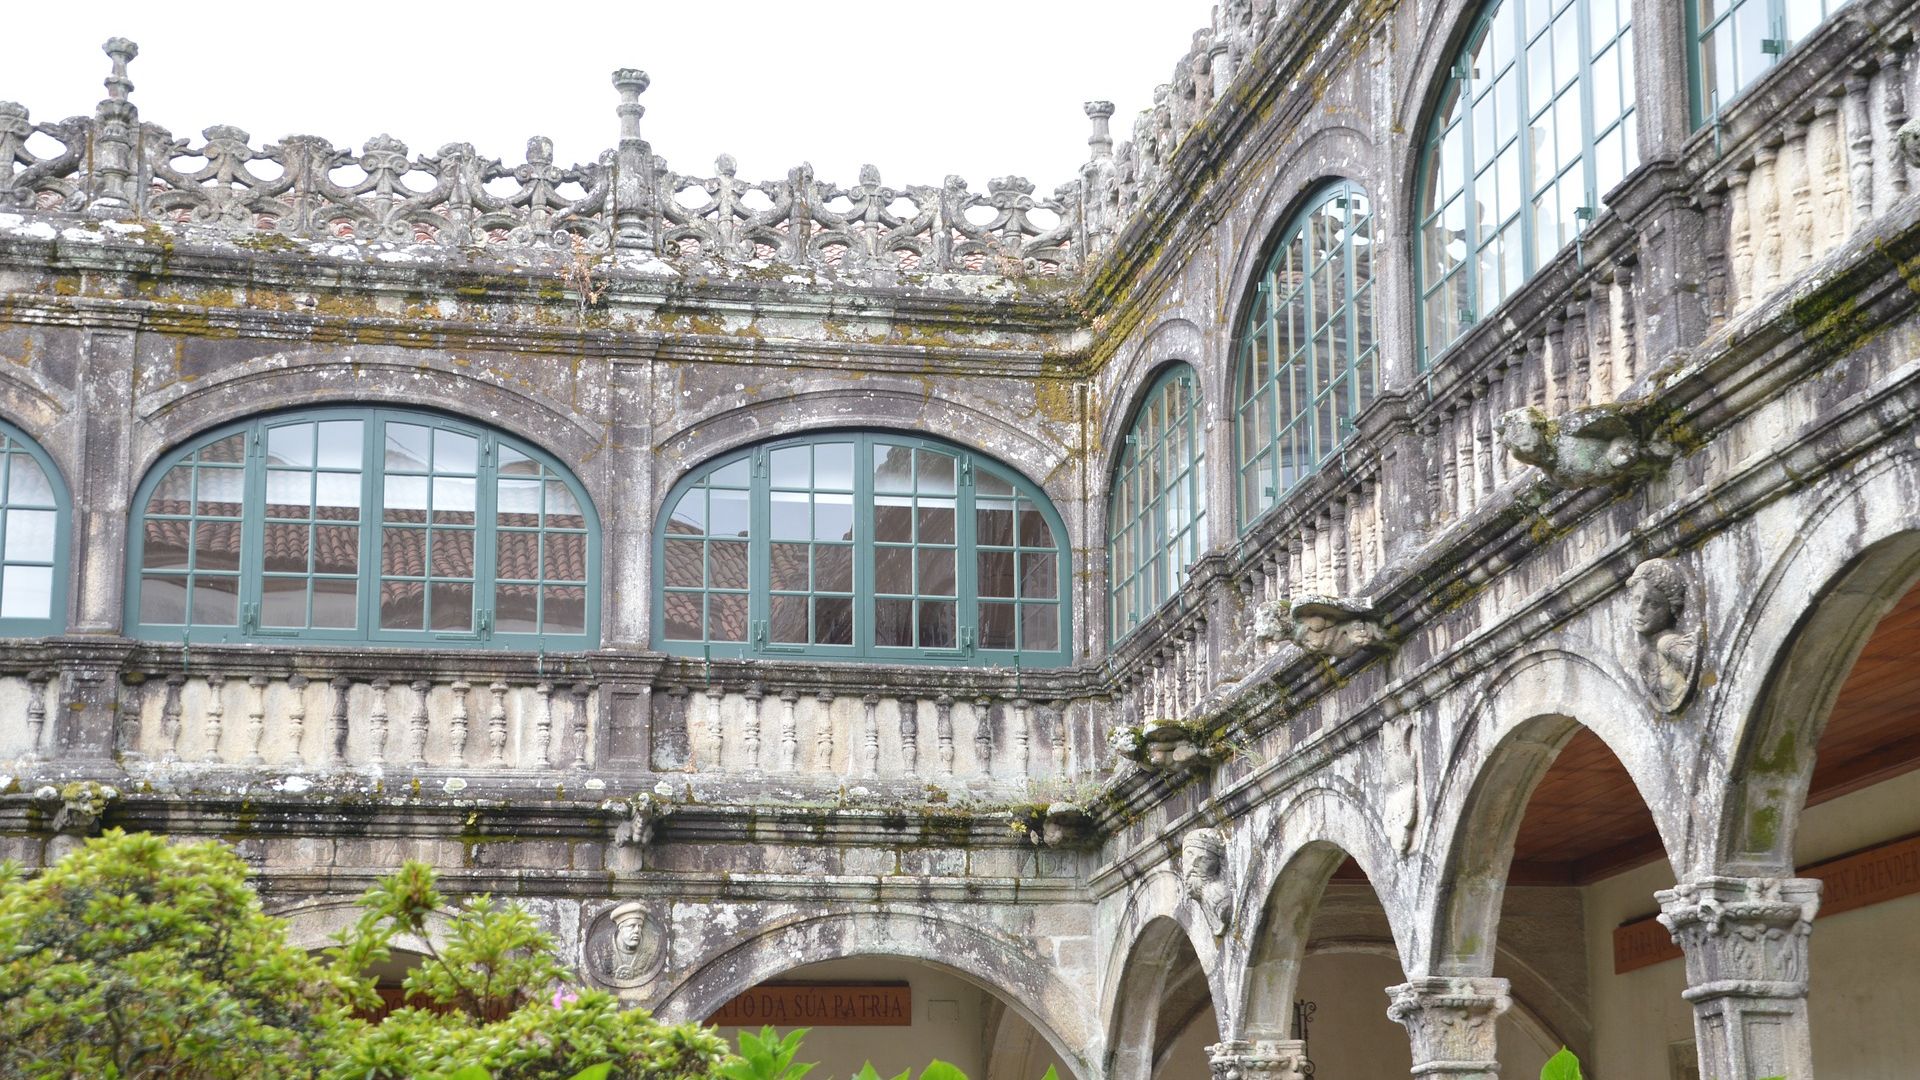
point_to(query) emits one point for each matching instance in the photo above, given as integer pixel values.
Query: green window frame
(352, 525)
(1731, 43)
(1156, 507)
(861, 545)
(36, 512)
(1535, 124)
(1309, 357)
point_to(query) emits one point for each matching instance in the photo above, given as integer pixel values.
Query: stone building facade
(1441, 495)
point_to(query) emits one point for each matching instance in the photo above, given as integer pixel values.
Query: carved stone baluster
(543, 726)
(750, 725)
(213, 715)
(457, 748)
(256, 718)
(1857, 118)
(910, 734)
(1740, 234)
(580, 692)
(823, 733)
(296, 719)
(377, 722)
(1201, 668)
(1443, 450)
(169, 717)
(1829, 164)
(1436, 489)
(1893, 78)
(497, 725)
(1062, 729)
(1557, 366)
(943, 730)
(1482, 441)
(1627, 354)
(1580, 382)
(983, 734)
(1603, 338)
(337, 721)
(37, 680)
(789, 731)
(417, 725)
(1022, 737)
(1337, 560)
(716, 738)
(1796, 162)
(1714, 202)
(870, 737)
(1765, 201)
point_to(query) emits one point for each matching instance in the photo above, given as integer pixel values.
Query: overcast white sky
(981, 88)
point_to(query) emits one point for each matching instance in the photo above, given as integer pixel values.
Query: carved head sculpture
(1658, 594)
(629, 934)
(1203, 859)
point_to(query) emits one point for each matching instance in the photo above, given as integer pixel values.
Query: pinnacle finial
(122, 51)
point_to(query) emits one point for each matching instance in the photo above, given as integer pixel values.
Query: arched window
(861, 545)
(1308, 358)
(1534, 126)
(364, 525)
(34, 513)
(1156, 510)
(1734, 42)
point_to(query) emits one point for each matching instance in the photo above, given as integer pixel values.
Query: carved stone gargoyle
(1336, 627)
(636, 820)
(1587, 447)
(1063, 826)
(1160, 744)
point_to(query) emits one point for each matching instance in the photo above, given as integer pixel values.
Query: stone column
(1261, 1059)
(1450, 1022)
(1745, 941)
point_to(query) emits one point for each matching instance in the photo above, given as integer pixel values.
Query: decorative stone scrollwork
(1587, 447)
(1203, 869)
(1335, 627)
(1450, 1022)
(625, 946)
(1669, 661)
(1260, 1059)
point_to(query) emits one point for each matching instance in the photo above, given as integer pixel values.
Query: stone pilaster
(1450, 1022)
(1261, 1059)
(1745, 941)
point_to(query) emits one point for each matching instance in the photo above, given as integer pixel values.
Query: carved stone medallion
(625, 946)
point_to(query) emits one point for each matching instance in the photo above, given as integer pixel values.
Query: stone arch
(1161, 975)
(1313, 835)
(684, 450)
(254, 389)
(1855, 555)
(312, 926)
(1175, 341)
(1445, 30)
(1517, 726)
(1021, 979)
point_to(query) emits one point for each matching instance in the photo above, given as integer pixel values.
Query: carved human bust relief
(625, 946)
(1203, 869)
(1669, 659)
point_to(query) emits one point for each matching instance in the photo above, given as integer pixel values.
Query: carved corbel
(1159, 745)
(1336, 627)
(1597, 445)
(77, 807)
(1208, 883)
(636, 820)
(1669, 656)
(1063, 826)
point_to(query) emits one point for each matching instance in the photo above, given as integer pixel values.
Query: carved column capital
(1744, 937)
(1450, 1022)
(1260, 1059)
(1745, 941)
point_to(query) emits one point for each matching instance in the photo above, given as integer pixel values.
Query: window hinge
(966, 468)
(966, 638)
(760, 461)
(1776, 44)
(484, 621)
(760, 633)
(250, 617)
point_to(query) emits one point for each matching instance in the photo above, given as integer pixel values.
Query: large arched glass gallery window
(1156, 508)
(35, 523)
(348, 525)
(1733, 42)
(1534, 125)
(1309, 360)
(861, 546)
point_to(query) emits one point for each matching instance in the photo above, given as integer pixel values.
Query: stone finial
(122, 52)
(1669, 659)
(1586, 447)
(1203, 869)
(631, 83)
(1101, 139)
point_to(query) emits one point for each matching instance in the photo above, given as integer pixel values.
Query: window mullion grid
(966, 557)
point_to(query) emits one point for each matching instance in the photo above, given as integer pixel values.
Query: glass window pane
(283, 602)
(1039, 627)
(164, 546)
(833, 517)
(791, 518)
(936, 521)
(892, 468)
(291, 445)
(27, 483)
(727, 564)
(833, 620)
(893, 570)
(787, 619)
(727, 617)
(996, 626)
(342, 443)
(409, 448)
(163, 600)
(26, 592)
(833, 466)
(403, 552)
(30, 535)
(453, 500)
(218, 492)
(793, 467)
(893, 623)
(1034, 531)
(337, 496)
(893, 520)
(216, 600)
(996, 573)
(406, 499)
(285, 548)
(336, 603)
(565, 557)
(689, 515)
(729, 510)
(216, 545)
(936, 472)
(788, 566)
(937, 624)
(517, 610)
(684, 559)
(453, 553)
(402, 605)
(452, 605)
(454, 452)
(936, 572)
(681, 614)
(993, 522)
(565, 608)
(833, 569)
(1039, 576)
(336, 549)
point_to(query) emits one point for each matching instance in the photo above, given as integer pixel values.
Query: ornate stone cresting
(1450, 1022)
(1669, 661)
(1259, 1059)
(1587, 447)
(1203, 869)
(1335, 627)
(1745, 941)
